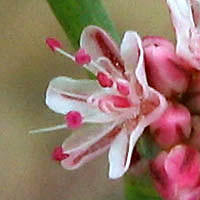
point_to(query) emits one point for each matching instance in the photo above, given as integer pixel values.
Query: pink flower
(177, 173)
(113, 110)
(173, 127)
(186, 20)
(165, 71)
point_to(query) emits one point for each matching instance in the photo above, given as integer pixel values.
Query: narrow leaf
(74, 15)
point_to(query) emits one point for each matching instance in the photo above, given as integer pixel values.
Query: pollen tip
(123, 88)
(53, 44)
(82, 57)
(58, 154)
(73, 119)
(104, 80)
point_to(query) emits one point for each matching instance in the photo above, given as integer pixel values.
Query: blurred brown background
(26, 66)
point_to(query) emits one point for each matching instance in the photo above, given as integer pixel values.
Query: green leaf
(146, 146)
(74, 15)
(140, 188)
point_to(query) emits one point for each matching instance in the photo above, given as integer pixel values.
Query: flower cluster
(175, 73)
(145, 84)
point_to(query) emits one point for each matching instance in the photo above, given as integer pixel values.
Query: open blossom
(111, 111)
(177, 173)
(185, 16)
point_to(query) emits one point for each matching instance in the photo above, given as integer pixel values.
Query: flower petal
(184, 24)
(75, 88)
(98, 43)
(65, 94)
(140, 70)
(129, 51)
(87, 143)
(144, 121)
(117, 155)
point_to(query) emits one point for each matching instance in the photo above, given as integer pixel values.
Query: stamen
(56, 45)
(123, 88)
(109, 103)
(53, 44)
(104, 80)
(45, 130)
(58, 154)
(82, 57)
(73, 119)
(65, 54)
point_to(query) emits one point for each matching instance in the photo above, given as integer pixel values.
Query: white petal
(75, 88)
(196, 12)
(183, 22)
(65, 95)
(137, 132)
(143, 123)
(129, 51)
(86, 136)
(117, 155)
(98, 43)
(86, 147)
(140, 69)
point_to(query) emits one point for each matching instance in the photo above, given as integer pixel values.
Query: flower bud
(164, 69)
(178, 171)
(162, 182)
(172, 127)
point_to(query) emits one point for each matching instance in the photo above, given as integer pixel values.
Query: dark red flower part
(53, 44)
(58, 154)
(104, 80)
(82, 57)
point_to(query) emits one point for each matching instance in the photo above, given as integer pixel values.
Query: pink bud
(183, 166)
(58, 154)
(73, 119)
(164, 69)
(176, 174)
(82, 57)
(162, 182)
(53, 43)
(172, 127)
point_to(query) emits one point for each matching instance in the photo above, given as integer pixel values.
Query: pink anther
(53, 44)
(73, 119)
(82, 57)
(58, 154)
(123, 88)
(104, 80)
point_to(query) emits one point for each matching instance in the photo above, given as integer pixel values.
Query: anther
(58, 154)
(53, 44)
(73, 119)
(82, 57)
(104, 80)
(123, 88)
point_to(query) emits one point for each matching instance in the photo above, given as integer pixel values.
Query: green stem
(74, 15)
